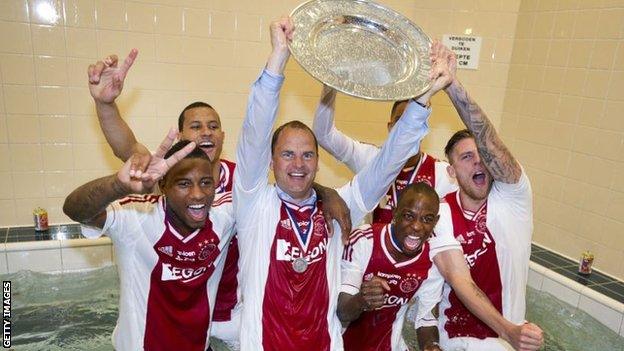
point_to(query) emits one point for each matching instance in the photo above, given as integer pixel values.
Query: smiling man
(198, 122)
(168, 247)
(384, 267)
(288, 259)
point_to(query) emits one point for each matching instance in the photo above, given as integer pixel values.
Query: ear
(436, 220)
(451, 171)
(161, 184)
(389, 126)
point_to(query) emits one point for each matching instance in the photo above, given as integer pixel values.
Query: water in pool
(77, 311)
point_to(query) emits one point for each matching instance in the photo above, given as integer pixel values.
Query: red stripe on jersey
(178, 309)
(360, 232)
(373, 329)
(480, 253)
(295, 305)
(139, 198)
(424, 174)
(224, 199)
(226, 176)
(227, 295)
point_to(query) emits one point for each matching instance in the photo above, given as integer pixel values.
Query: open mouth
(206, 145)
(479, 178)
(197, 212)
(411, 242)
(297, 175)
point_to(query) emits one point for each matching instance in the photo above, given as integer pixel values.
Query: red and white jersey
(227, 295)
(299, 305)
(368, 255)
(496, 243)
(168, 282)
(226, 176)
(356, 155)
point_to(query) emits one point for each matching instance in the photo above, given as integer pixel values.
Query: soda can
(585, 266)
(40, 217)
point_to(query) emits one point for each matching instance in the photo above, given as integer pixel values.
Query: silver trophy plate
(361, 48)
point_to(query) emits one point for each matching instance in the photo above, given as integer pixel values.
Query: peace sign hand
(139, 181)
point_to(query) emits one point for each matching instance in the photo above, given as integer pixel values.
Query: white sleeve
(123, 219)
(443, 238)
(354, 154)
(355, 259)
(253, 151)
(428, 296)
(519, 193)
(444, 184)
(373, 181)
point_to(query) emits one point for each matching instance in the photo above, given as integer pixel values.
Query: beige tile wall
(563, 116)
(190, 50)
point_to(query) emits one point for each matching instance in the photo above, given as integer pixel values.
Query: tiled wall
(190, 50)
(563, 116)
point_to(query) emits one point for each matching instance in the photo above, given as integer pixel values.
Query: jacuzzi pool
(77, 311)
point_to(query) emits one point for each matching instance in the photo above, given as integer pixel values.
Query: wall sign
(466, 48)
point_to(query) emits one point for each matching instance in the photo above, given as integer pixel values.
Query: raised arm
(106, 79)
(253, 151)
(354, 154)
(495, 155)
(402, 143)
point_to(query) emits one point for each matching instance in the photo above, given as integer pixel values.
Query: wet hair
(191, 106)
(456, 138)
(418, 188)
(196, 153)
(293, 125)
(396, 105)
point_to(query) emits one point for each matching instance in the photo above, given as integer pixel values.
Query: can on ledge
(40, 217)
(585, 266)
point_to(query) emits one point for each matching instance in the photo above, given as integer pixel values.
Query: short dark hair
(294, 125)
(456, 138)
(196, 153)
(191, 106)
(396, 105)
(418, 188)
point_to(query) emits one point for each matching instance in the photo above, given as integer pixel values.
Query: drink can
(587, 258)
(40, 217)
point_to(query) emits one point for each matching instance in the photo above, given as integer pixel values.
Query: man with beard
(169, 248)
(492, 218)
(383, 268)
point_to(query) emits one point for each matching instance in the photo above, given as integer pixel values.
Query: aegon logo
(184, 274)
(395, 300)
(286, 252)
(471, 259)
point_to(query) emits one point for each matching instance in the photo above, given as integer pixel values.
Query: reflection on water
(78, 311)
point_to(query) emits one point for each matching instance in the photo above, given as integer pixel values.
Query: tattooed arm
(87, 204)
(495, 155)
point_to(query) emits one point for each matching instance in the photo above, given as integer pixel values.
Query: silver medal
(300, 265)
